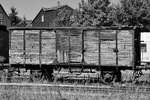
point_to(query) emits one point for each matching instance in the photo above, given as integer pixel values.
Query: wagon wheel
(47, 75)
(10, 75)
(41, 76)
(35, 76)
(107, 76)
(136, 75)
(117, 76)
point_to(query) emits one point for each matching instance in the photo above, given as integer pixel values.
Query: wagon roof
(75, 28)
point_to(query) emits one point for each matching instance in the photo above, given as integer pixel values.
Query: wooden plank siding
(32, 47)
(70, 47)
(108, 46)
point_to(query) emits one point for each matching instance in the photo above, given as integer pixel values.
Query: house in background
(4, 19)
(47, 16)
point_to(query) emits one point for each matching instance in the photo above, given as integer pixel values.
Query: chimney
(58, 3)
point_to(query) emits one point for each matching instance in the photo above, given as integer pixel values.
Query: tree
(14, 19)
(24, 21)
(94, 13)
(64, 18)
(132, 13)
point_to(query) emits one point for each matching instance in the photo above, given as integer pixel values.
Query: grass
(44, 93)
(40, 93)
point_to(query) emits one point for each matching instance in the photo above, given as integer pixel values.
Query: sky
(30, 8)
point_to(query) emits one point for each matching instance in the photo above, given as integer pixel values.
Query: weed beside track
(26, 91)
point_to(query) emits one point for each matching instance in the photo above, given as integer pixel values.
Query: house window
(42, 18)
(143, 47)
(1, 19)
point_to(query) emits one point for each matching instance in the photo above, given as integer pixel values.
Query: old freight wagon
(105, 49)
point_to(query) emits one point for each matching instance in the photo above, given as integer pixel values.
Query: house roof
(51, 9)
(55, 8)
(4, 11)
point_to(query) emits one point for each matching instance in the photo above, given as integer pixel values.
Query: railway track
(81, 88)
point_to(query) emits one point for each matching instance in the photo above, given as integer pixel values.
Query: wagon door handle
(115, 50)
(83, 50)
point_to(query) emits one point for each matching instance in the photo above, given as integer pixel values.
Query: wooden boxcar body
(104, 48)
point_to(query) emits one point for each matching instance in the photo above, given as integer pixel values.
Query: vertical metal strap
(69, 48)
(116, 48)
(82, 46)
(99, 47)
(40, 48)
(24, 46)
(9, 48)
(63, 56)
(69, 56)
(134, 48)
(56, 41)
(10, 39)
